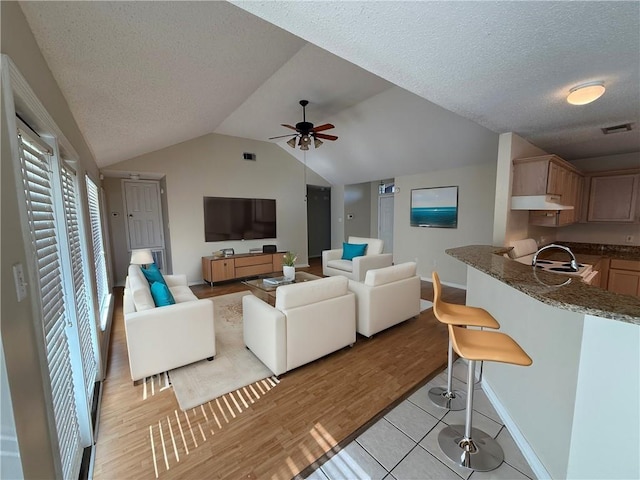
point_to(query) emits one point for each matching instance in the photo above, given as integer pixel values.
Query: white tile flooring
(404, 443)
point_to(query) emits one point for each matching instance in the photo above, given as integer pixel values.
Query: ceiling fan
(305, 131)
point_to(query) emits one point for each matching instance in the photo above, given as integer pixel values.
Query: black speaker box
(269, 249)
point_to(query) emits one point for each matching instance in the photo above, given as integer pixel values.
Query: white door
(385, 221)
(144, 219)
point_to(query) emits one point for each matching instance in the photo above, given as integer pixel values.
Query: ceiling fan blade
(289, 126)
(322, 128)
(325, 136)
(282, 136)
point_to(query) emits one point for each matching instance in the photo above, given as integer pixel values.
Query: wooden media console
(219, 269)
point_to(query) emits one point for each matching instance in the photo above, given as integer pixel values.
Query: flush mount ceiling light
(586, 93)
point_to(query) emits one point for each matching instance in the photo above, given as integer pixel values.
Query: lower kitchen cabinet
(624, 277)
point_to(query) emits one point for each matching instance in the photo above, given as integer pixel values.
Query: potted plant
(288, 266)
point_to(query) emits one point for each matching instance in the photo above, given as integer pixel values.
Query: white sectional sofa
(387, 297)
(163, 338)
(356, 269)
(309, 320)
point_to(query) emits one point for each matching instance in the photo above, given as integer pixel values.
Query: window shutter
(98, 243)
(37, 185)
(84, 316)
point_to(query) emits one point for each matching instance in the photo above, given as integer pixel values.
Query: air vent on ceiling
(625, 127)
(249, 156)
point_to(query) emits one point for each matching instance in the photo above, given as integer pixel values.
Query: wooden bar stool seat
(461, 315)
(467, 446)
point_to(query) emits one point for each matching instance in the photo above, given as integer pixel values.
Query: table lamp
(141, 257)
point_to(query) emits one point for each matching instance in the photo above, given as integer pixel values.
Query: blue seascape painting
(434, 207)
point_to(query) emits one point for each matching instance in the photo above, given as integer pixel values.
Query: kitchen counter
(584, 342)
(545, 287)
(622, 252)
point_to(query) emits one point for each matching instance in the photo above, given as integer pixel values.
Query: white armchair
(356, 269)
(309, 320)
(387, 297)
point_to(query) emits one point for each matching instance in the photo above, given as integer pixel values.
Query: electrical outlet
(628, 239)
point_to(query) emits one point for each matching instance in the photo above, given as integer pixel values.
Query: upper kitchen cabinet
(549, 175)
(613, 196)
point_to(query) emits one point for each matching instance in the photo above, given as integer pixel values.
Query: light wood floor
(313, 409)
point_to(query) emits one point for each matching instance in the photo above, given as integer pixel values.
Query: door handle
(131, 215)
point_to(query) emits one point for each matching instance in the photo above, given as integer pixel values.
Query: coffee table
(260, 284)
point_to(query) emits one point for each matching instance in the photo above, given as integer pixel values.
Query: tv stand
(233, 267)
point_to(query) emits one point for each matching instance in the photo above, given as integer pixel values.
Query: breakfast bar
(575, 413)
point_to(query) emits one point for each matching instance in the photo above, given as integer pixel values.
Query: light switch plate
(18, 278)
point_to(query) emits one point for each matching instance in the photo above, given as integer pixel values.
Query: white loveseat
(309, 320)
(387, 297)
(356, 269)
(163, 338)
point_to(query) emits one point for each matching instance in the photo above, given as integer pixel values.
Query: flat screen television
(239, 218)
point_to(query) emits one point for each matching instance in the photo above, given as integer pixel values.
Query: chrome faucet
(573, 263)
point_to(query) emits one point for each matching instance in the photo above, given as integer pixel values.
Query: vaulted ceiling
(140, 76)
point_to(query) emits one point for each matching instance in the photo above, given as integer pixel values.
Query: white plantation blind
(84, 314)
(98, 242)
(38, 190)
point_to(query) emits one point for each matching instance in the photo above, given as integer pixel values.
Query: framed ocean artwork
(434, 207)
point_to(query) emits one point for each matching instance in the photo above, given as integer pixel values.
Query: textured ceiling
(505, 65)
(140, 76)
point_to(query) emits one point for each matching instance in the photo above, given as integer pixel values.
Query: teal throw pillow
(161, 294)
(351, 250)
(152, 274)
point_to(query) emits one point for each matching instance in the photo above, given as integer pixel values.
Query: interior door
(385, 221)
(144, 218)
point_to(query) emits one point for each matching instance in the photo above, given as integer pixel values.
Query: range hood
(538, 202)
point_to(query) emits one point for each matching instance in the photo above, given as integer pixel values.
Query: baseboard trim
(528, 453)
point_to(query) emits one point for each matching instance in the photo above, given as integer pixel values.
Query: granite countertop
(548, 287)
(622, 252)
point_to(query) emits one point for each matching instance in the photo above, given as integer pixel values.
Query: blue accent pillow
(350, 250)
(161, 294)
(152, 274)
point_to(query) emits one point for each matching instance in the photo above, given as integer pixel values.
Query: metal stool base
(480, 452)
(454, 400)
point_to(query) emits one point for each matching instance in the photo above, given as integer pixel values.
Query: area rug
(234, 366)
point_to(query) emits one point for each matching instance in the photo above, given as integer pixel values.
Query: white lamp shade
(141, 257)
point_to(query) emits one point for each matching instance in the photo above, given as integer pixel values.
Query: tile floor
(404, 443)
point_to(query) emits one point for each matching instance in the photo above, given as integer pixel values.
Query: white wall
(513, 224)
(610, 162)
(476, 193)
(212, 165)
(540, 399)
(337, 216)
(10, 466)
(357, 210)
(610, 358)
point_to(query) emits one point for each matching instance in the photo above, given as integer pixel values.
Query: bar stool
(461, 315)
(467, 446)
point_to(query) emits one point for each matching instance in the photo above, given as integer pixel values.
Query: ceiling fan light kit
(305, 131)
(585, 93)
